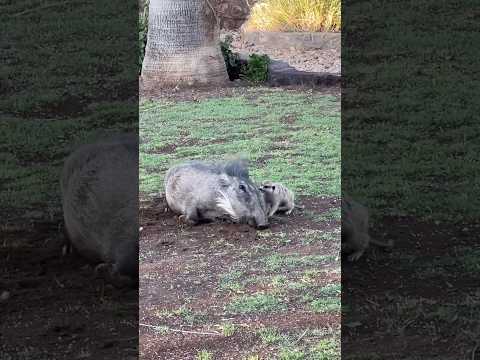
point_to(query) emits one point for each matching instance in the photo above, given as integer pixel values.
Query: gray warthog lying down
(203, 191)
(99, 187)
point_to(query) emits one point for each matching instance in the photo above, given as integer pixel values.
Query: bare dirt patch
(418, 297)
(56, 307)
(311, 60)
(181, 272)
(237, 88)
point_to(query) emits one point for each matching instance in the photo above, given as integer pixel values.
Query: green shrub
(254, 70)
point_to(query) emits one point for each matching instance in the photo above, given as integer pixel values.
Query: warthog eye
(242, 187)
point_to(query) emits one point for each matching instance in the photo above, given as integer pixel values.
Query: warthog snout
(258, 224)
(262, 226)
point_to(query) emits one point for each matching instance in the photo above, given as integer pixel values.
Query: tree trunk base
(203, 66)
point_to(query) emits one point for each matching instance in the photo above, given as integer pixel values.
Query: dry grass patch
(295, 15)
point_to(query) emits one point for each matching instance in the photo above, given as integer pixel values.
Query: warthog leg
(108, 273)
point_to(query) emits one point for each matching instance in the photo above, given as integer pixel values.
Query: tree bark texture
(182, 45)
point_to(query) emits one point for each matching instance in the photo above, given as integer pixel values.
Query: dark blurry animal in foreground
(99, 186)
(205, 191)
(355, 229)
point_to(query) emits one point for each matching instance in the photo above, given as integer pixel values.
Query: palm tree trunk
(182, 45)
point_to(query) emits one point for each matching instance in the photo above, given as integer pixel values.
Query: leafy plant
(256, 70)
(142, 33)
(232, 59)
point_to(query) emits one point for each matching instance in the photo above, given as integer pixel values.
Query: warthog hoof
(108, 273)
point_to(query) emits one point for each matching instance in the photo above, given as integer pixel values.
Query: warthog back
(99, 187)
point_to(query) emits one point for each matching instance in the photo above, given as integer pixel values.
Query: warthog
(355, 229)
(204, 191)
(99, 186)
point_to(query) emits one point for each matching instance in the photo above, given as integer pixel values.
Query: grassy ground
(70, 86)
(294, 135)
(410, 140)
(409, 152)
(69, 73)
(34, 151)
(65, 63)
(244, 294)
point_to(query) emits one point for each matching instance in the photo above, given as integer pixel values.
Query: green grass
(464, 258)
(469, 260)
(331, 290)
(333, 214)
(276, 262)
(401, 312)
(270, 336)
(68, 89)
(326, 305)
(183, 314)
(410, 123)
(204, 355)
(326, 349)
(319, 236)
(312, 344)
(289, 354)
(34, 152)
(232, 281)
(257, 303)
(67, 55)
(228, 329)
(410, 148)
(304, 155)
